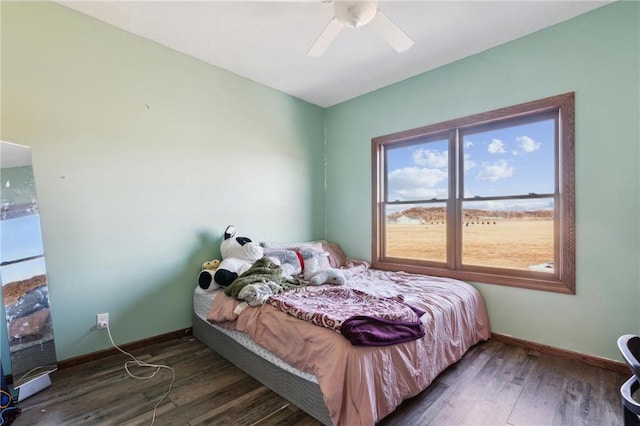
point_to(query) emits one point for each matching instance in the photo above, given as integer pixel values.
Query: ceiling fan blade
(325, 39)
(397, 38)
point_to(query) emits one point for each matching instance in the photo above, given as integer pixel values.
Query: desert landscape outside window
(487, 198)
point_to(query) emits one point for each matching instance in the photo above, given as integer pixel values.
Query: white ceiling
(267, 41)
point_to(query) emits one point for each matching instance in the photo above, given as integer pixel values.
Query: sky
(517, 160)
(21, 238)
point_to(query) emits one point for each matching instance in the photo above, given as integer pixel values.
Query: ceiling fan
(355, 14)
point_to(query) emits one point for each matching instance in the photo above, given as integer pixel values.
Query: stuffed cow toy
(238, 254)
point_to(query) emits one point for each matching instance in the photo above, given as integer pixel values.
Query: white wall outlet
(102, 320)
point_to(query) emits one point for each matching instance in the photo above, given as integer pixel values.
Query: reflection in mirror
(23, 273)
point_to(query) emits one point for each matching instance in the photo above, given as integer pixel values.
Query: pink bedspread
(362, 384)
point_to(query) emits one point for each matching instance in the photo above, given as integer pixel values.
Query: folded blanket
(363, 330)
(262, 271)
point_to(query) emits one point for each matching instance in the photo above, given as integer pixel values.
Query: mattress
(202, 301)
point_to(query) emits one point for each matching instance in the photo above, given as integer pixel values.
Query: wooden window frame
(562, 280)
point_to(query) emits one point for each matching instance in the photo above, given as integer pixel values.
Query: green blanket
(262, 271)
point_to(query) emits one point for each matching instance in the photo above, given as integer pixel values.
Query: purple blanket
(362, 318)
(362, 330)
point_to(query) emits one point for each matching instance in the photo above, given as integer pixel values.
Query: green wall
(597, 56)
(142, 156)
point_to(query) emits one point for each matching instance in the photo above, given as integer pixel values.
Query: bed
(321, 371)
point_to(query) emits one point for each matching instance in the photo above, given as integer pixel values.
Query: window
(486, 198)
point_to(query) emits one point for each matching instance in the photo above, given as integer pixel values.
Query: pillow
(337, 258)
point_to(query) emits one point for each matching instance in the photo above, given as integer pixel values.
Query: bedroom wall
(142, 156)
(597, 56)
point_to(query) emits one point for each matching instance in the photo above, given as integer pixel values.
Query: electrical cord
(139, 363)
(24, 376)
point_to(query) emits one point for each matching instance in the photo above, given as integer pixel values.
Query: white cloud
(412, 183)
(418, 194)
(468, 163)
(496, 147)
(527, 144)
(431, 158)
(468, 143)
(513, 205)
(492, 172)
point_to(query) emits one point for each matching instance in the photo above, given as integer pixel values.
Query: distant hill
(14, 290)
(440, 213)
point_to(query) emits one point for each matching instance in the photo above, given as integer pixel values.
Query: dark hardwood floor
(494, 384)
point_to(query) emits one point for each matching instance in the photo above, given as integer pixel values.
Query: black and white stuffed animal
(238, 254)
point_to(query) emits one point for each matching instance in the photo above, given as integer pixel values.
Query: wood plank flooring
(494, 384)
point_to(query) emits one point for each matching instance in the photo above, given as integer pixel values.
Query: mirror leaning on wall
(25, 292)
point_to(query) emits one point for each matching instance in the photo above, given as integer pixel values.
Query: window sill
(540, 282)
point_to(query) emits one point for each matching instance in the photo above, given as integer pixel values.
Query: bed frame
(302, 393)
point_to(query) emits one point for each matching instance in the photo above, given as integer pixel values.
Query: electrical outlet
(102, 320)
